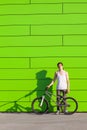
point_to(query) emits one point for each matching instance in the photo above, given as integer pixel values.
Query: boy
(63, 82)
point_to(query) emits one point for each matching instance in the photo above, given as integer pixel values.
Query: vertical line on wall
(62, 40)
(29, 1)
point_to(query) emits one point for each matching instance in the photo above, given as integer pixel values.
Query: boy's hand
(68, 91)
(47, 87)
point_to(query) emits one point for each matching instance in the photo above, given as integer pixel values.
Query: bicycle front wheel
(70, 105)
(37, 107)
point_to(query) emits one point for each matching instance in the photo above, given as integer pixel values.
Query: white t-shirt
(62, 80)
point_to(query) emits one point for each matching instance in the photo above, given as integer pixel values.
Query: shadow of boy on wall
(42, 82)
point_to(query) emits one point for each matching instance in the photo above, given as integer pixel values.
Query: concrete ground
(29, 121)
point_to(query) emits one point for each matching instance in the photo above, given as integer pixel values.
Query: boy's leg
(58, 100)
(64, 95)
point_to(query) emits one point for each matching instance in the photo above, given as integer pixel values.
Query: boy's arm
(68, 82)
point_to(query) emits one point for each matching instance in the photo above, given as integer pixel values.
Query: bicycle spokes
(70, 105)
(40, 105)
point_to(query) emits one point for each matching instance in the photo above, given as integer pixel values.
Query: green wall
(34, 36)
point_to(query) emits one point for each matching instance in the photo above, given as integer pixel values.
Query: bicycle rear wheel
(37, 108)
(69, 105)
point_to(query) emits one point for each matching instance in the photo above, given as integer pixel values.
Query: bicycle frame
(49, 94)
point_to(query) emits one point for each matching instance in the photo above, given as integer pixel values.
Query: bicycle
(40, 105)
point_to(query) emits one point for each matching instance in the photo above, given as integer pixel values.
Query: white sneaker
(58, 112)
(66, 111)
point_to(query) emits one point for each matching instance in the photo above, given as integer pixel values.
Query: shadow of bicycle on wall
(15, 106)
(42, 82)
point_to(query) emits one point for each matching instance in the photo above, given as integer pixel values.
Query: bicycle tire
(36, 106)
(71, 105)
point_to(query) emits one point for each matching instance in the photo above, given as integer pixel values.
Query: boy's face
(60, 66)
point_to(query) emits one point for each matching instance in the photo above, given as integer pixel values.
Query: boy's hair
(59, 63)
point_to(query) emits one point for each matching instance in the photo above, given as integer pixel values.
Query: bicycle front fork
(43, 97)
